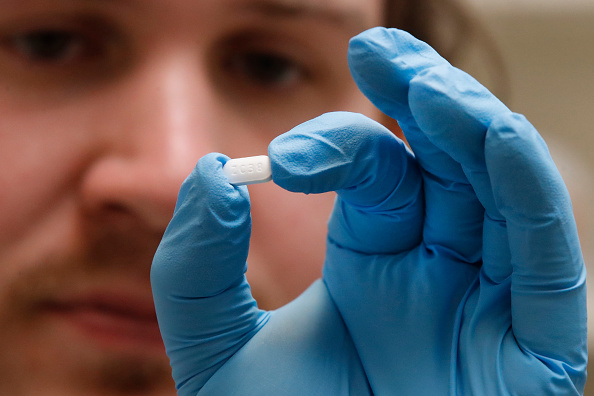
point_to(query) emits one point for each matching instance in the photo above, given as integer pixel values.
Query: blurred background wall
(548, 50)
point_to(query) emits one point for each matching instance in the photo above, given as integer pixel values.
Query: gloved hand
(456, 271)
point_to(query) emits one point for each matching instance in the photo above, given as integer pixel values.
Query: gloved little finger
(548, 284)
(379, 208)
(203, 302)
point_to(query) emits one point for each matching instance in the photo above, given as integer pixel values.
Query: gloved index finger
(379, 207)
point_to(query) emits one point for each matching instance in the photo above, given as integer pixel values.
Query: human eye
(49, 46)
(262, 63)
(57, 51)
(58, 43)
(280, 71)
(265, 68)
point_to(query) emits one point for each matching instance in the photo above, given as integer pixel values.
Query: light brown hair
(456, 32)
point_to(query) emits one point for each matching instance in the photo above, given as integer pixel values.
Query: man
(106, 107)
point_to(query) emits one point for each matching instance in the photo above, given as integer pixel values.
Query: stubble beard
(35, 361)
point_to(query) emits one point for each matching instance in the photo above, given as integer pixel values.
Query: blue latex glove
(456, 271)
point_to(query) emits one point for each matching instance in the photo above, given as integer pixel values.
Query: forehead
(361, 7)
(361, 12)
(364, 11)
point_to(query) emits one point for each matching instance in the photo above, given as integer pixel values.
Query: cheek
(288, 242)
(37, 165)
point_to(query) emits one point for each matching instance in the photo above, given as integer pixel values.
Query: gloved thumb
(203, 302)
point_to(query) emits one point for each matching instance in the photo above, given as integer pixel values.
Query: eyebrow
(288, 9)
(57, 3)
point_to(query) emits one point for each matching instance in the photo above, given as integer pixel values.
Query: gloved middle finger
(397, 72)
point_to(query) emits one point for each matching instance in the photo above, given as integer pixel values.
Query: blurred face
(105, 107)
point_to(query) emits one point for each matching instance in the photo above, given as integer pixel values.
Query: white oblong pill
(248, 170)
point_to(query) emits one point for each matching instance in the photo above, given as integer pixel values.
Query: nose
(155, 124)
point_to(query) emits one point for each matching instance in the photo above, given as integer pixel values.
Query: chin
(51, 356)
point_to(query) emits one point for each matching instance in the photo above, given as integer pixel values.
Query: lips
(110, 319)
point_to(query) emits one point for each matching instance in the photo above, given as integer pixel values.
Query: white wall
(514, 6)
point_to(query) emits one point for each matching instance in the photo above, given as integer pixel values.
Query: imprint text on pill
(248, 170)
